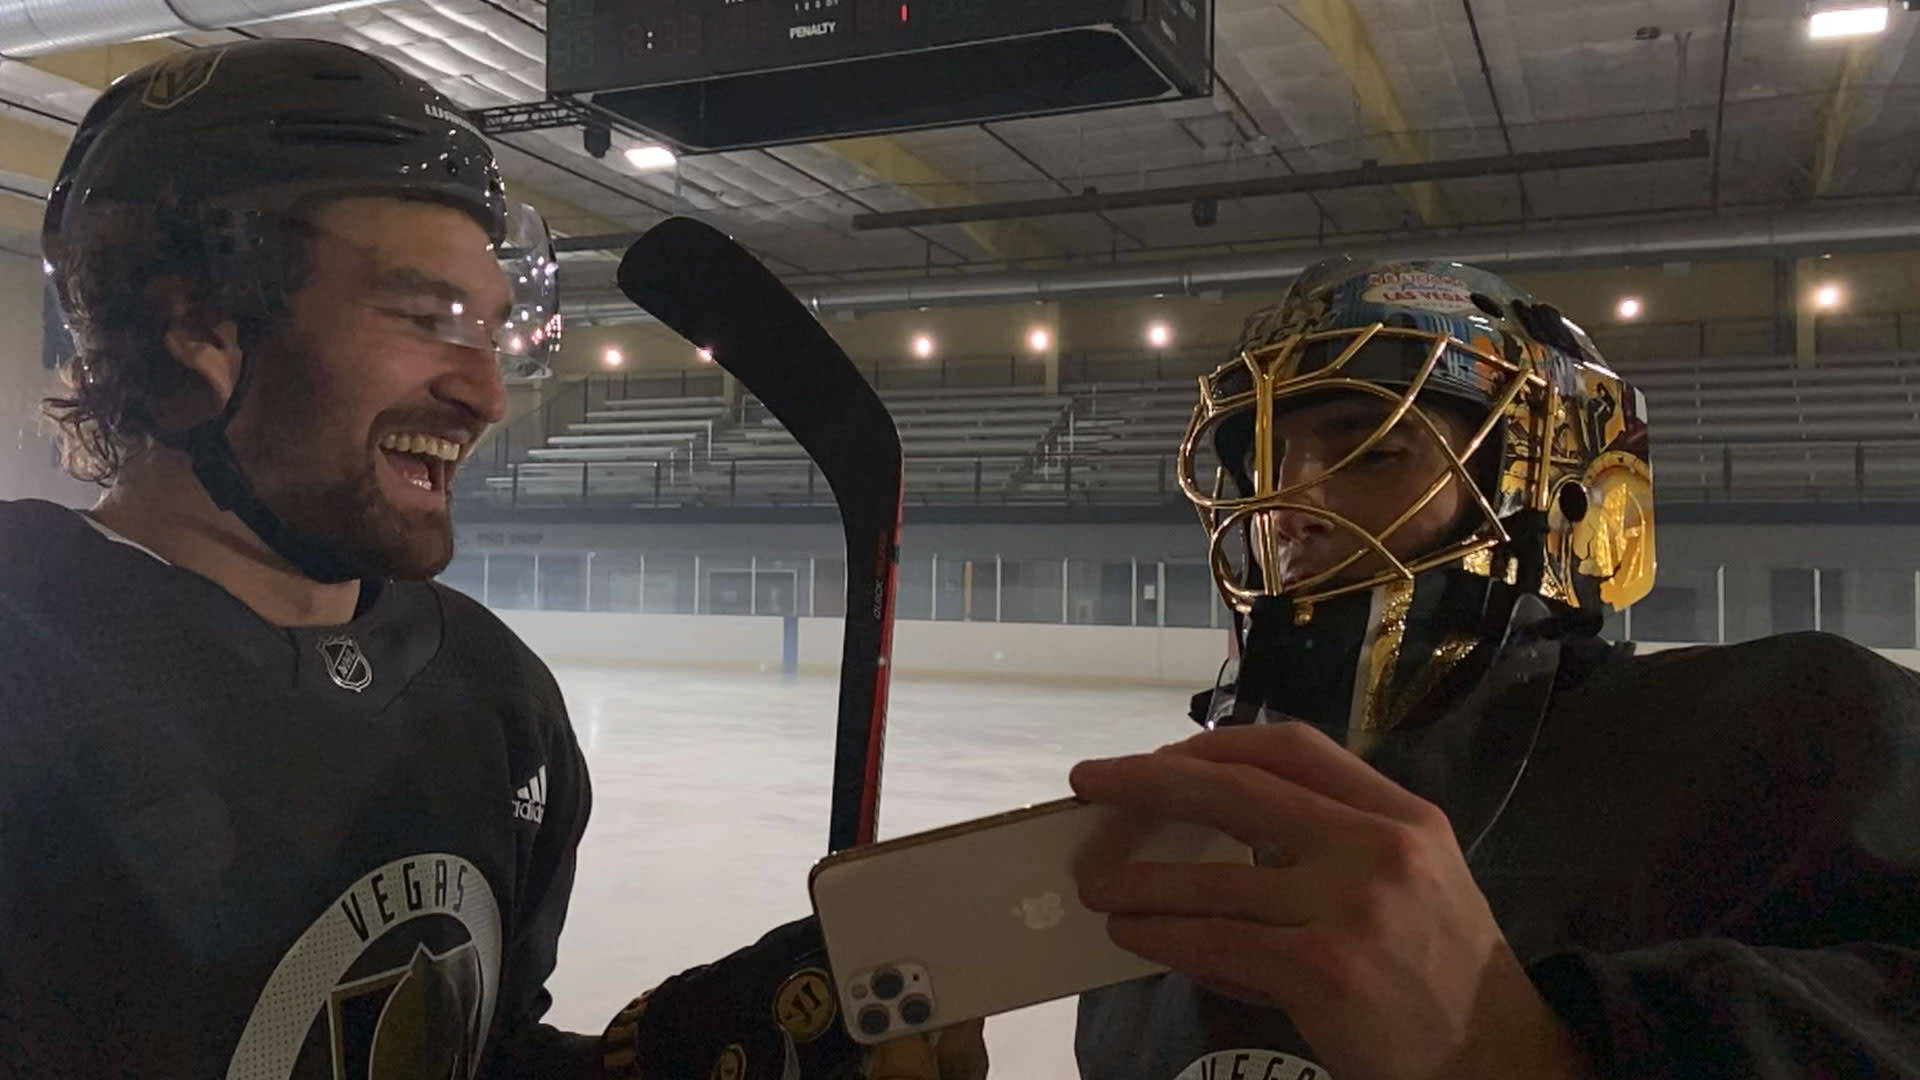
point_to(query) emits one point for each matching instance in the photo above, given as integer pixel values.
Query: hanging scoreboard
(724, 74)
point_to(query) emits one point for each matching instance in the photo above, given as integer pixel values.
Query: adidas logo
(530, 801)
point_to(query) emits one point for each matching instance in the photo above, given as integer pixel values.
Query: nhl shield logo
(346, 665)
(181, 77)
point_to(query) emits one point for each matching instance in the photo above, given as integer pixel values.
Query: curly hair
(120, 369)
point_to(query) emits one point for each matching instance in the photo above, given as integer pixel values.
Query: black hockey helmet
(229, 144)
(236, 135)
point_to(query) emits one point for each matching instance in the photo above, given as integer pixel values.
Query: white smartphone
(984, 917)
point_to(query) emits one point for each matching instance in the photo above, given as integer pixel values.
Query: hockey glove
(769, 1012)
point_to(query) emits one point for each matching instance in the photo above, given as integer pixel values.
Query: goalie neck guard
(1555, 476)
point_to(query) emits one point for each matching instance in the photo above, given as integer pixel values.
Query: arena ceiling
(1302, 86)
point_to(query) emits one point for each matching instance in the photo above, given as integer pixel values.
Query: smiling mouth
(421, 460)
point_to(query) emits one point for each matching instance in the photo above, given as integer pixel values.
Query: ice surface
(710, 805)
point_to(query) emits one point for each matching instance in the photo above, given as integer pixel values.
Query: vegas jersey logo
(396, 979)
(1252, 1065)
(419, 1020)
(180, 77)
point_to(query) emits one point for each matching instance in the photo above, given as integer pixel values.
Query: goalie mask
(1547, 462)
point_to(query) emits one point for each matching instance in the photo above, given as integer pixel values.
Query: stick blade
(714, 293)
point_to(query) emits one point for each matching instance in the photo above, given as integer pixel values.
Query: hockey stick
(709, 290)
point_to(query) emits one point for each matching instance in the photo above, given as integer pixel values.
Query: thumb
(909, 1058)
(962, 1052)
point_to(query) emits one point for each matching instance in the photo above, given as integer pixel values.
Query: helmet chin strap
(219, 472)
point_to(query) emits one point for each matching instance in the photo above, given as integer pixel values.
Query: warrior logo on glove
(804, 1006)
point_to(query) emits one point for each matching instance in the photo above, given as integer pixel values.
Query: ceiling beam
(1493, 95)
(20, 213)
(886, 158)
(30, 149)
(1720, 106)
(563, 217)
(1694, 146)
(99, 65)
(1836, 116)
(1338, 25)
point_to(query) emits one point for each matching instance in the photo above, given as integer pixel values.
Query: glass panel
(1191, 596)
(830, 588)
(467, 573)
(1031, 592)
(1791, 600)
(983, 594)
(1879, 608)
(776, 591)
(620, 590)
(669, 586)
(563, 582)
(1100, 593)
(1681, 608)
(1749, 603)
(510, 583)
(1668, 613)
(728, 591)
(614, 584)
(916, 588)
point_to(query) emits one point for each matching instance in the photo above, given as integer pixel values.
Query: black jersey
(229, 848)
(1711, 867)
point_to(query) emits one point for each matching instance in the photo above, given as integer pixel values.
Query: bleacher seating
(1764, 428)
(962, 444)
(1723, 428)
(626, 438)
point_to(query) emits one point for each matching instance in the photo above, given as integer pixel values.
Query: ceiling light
(923, 346)
(614, 359)
(1159, 335)
(1629, 308)
(1855, 20)
(1039, 340)
(706, 355)
(1827, 297)
(650, 158)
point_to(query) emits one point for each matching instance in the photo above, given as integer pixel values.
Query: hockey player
(1492, 844)
(273, 804)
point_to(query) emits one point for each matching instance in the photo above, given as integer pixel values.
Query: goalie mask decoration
(1554, 473)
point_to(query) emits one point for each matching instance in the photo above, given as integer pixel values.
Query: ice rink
(710, 805)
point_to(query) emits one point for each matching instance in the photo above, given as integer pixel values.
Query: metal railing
(1823, 472)
(947, 480)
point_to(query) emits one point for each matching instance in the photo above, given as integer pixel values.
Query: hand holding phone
(984, 917)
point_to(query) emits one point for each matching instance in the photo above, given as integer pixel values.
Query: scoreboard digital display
(716, 74)
(597, 44)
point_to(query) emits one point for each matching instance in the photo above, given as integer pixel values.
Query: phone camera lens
(887, 984)
(916, 1010)
(874, 1021)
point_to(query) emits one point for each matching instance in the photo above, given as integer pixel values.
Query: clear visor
(524, 335)
(528, 341)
